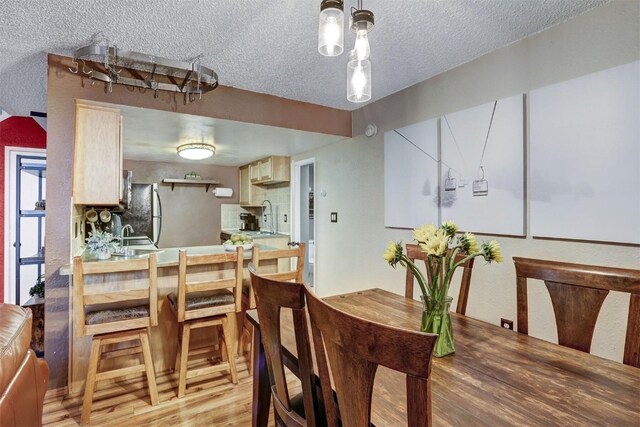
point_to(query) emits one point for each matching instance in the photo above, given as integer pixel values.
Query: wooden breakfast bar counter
(164, 337)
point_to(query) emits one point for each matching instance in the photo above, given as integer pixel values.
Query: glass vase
(436, 320)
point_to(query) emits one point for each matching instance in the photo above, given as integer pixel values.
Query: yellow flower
(450, 227)
(491, 251)
(469, 243)
(393, 253)
(436, 244)
(424, 232)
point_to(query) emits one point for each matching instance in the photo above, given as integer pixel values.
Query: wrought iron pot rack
(107, 64)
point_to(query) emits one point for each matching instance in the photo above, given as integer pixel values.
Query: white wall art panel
(482, 155)
(585, 157)
(411, 175)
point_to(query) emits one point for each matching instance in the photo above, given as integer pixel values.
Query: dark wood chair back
(353, 348)
(272, 296)
(415, 253)
(105, 307)
(288, 255)
(577, 293)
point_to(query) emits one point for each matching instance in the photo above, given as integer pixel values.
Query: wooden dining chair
(415, 253)
(272, 296)
(577, 292)
(204, 304)
(280, 257)
(354, 348)
(112, 316)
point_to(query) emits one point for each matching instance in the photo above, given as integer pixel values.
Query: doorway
(25, 180)
(304, 215)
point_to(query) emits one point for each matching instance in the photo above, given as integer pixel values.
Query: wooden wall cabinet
(97, 156)
(250, 195)
(270, 170)
(255, 176)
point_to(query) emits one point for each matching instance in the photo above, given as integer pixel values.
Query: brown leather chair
(23, 377)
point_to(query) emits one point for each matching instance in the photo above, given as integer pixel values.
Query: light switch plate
(334, 216)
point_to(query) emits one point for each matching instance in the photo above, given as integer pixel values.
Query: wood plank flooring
(210, 401)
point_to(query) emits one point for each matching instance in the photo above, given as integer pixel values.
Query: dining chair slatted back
(354, 348)
(415, 253)
(272, 296)
(212, 302)
(577, 292)
(116, 310)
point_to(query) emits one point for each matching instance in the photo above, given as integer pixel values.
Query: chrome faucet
(269, 214)
(123, 232)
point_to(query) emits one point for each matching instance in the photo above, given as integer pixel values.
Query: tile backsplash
(230, 216)
(280, 197)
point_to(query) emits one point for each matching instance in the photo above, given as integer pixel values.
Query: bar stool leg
(222, 345)
(90, 384)
(176, 363)
(148, 365)
(184, 355)
(227, 339)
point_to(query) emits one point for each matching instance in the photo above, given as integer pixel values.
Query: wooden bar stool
(209, 303)
(114, 315)
(289, 275)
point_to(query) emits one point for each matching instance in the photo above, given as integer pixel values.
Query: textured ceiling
(266, 46)
(153, 135)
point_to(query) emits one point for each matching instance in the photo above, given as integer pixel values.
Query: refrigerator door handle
(159, 217)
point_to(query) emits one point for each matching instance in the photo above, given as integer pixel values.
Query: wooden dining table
(496, 377)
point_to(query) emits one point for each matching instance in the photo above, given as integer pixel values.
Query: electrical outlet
(507, 324)
(285, 218)
(334, 216)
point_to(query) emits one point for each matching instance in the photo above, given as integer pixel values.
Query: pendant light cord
(495, 104)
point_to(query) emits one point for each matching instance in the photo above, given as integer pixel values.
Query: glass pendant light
(359, 65)
(331, 28)
(358, 79)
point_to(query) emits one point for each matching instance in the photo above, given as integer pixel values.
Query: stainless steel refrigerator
(145, 212)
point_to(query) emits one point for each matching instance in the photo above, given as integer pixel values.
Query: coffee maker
(248, 222)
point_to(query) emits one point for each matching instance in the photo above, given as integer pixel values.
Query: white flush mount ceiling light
(196, 151)
(331, 28)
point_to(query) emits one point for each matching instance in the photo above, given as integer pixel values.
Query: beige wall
(349, 253)
(63, 88)
(190, 217)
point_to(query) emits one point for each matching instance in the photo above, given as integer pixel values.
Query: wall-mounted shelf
(206, 182)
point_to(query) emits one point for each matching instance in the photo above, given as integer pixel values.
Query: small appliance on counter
(248, 222)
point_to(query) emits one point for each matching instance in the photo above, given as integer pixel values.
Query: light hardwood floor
(210, 401)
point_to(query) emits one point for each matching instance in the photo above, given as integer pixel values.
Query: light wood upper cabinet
(97, 157)
(245, 186)
(270, 170)
(254, 171)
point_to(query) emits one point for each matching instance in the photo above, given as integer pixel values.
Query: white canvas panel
(585, 157)
(411, 175)
(498, 206)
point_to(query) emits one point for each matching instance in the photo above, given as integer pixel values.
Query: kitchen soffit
(245, 43)
(153, 135)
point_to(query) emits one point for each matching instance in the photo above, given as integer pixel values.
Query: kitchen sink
(129, 252)
(137, 240)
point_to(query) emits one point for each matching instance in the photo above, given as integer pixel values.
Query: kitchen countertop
(254, 234)
(167, 257)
